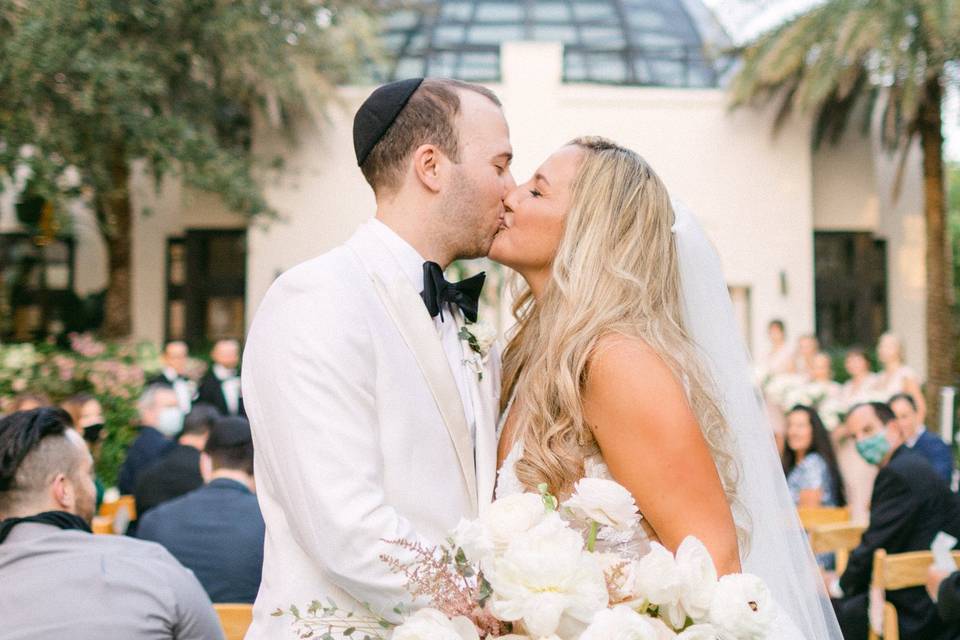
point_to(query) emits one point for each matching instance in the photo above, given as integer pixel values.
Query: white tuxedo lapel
(410, 316)
(485, 414)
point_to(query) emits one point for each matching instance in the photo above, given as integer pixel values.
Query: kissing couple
(379, 412)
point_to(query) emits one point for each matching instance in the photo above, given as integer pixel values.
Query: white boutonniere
(479, 336)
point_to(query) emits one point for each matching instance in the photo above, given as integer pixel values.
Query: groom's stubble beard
(466, 220)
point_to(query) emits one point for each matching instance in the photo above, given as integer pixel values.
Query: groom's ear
(427, 159)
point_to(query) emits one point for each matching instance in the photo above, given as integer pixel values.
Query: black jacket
(149, 447)
(210, 392)
(909, 505)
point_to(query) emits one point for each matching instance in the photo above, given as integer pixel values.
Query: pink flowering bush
(113, 373)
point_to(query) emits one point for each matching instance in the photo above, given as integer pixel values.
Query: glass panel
(652, 40)
(646, 19)
(457, 11)
(479, 66)
(448, 35)
(226, 257)
(224, 318)
(668, 72)
(603, 37)
(574, 67)
(558, 33)
(607, 68)
(488, 34)
(177, 321)
(409, 68)
(441, 64)
(587, 10)
(551, 12)
(499, 12)
(178, 265)
(402, 19)
(393, 41)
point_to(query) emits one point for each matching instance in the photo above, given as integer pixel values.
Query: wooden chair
(235, 619)
(839, 539)
(119, 513)
(811, 517)
(898, 571)
(102, 525)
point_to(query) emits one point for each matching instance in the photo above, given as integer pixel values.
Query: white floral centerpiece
(531, 569)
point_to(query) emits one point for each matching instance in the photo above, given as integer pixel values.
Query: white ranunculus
(485, 335)
(430, 624)
(699, 632)
(620, 623)
(604, 501)
(699, 577)
(657, 578)
(501, 522)
(742, 607)
(545, 577)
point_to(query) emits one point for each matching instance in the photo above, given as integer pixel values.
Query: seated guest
(944, 589)
(58, 580)
(910, 504)
(217, 531)
(178, 471)
(917, 437)
(160, 420)
(220, 386)
(29, 400)
(812, 474)
(175, 358)
(86, 412)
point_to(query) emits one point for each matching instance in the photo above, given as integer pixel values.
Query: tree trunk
(116, 210)
(941, 345)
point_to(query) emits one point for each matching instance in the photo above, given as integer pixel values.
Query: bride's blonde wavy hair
(615, 271)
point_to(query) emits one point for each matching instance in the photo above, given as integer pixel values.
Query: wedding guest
(822, 375)
(178, 471)
(217, 531)
(910, 504)
(944, 589)
(86, 413)
(160, 420)
(175, 358)
(221, 384)
(858, 476)
(57, 580)
(917, 437)
(808, 462)
(779, 358)
(807, 349)
(897, 377)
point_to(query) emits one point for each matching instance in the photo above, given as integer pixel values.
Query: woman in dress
(808, 462)
(896, 377)
(605, 374)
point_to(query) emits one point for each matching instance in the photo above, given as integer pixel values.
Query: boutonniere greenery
(479, 336)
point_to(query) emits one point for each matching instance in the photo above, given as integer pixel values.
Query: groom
(368, 422)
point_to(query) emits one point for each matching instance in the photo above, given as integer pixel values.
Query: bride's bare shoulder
(627, 378)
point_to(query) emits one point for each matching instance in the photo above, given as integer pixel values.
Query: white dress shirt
(185, 389)
(412, 263)
(230, 384)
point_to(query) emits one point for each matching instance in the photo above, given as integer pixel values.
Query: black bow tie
(436, 290)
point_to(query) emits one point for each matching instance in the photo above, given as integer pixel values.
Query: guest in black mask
(117, 586)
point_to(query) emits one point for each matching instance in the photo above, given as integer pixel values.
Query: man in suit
(160, 420)
(909, 505)
(216, 531)
(371, 419)
(175, 358)
(178, 471)
(57, 579)
(220, 386)
(917, 437)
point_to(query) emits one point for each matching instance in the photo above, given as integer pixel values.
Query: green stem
(592, 538)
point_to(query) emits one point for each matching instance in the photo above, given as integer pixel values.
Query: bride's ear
(426, 164)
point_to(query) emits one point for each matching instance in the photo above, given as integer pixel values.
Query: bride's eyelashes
(535, 193)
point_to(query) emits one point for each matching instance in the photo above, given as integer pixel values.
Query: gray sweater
(72, 584)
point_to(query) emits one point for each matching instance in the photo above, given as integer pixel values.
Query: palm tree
(896, 57)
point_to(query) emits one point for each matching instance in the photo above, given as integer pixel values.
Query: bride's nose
(512, 199)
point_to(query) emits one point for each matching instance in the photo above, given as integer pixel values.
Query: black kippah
(228, 432)
(378, 112)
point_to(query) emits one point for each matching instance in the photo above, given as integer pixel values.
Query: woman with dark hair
(808, 461)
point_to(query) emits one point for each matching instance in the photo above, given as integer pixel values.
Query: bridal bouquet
(532, 569)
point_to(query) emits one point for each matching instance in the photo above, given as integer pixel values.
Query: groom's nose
(509, 184)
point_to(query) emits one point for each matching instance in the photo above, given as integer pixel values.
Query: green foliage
(96, 84)
(112, 373)
(829, 59)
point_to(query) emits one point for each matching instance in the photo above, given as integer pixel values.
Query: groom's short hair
(428, 118)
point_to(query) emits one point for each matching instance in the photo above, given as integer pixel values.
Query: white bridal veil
(779, 552)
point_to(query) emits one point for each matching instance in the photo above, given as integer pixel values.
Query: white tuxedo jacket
(359, 432)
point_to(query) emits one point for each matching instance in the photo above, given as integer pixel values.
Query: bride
(626, 363)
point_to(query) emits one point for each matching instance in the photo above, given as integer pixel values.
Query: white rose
(485, 335)
(501, 522)
(544, 578)
(620, 623)
(473, 538)
(657, 579)
(699, 577)
(699, 632)
(604, 501)
(742, 607)
(430, 624)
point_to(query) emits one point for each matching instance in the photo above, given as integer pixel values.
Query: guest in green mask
(909, 504)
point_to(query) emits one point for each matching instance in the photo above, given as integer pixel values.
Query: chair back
(102, 525)
(235, 619)
(890, 573)
(811, 517)
(120, 513)
(838, 539)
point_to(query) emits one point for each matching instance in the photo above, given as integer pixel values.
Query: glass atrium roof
(632, 42)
